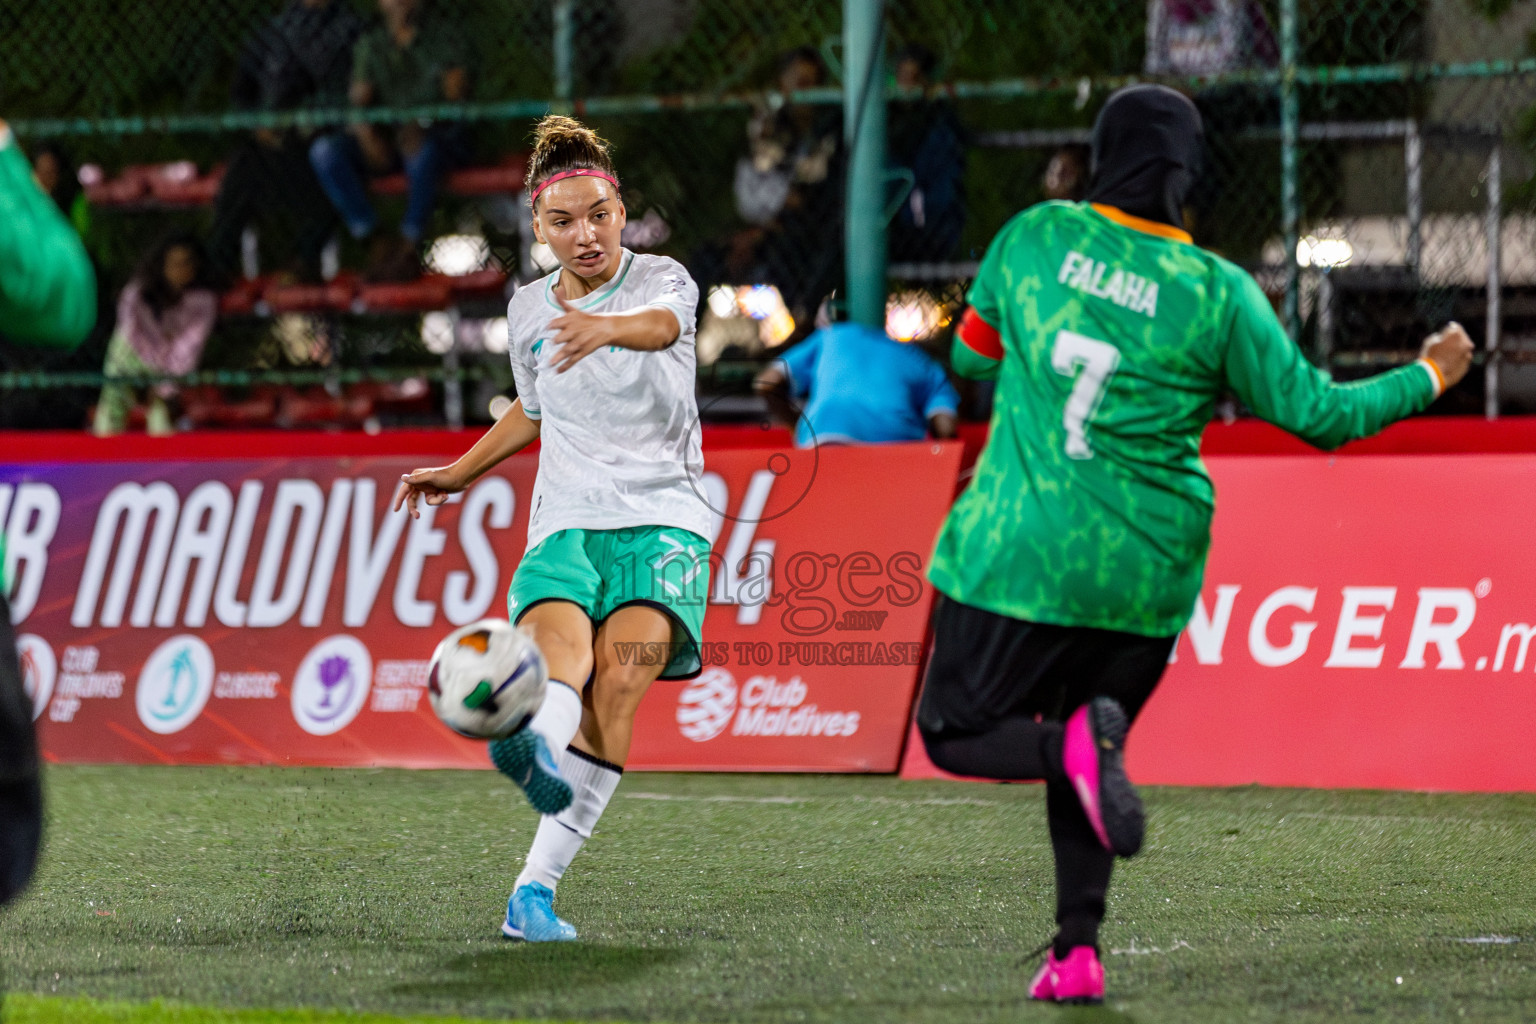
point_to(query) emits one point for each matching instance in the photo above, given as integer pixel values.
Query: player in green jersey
(1071, 562)
(47, 297)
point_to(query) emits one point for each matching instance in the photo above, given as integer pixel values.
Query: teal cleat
(531, 916)
(524, 758)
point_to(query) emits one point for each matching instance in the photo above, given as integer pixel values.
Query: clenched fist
(1451, 350)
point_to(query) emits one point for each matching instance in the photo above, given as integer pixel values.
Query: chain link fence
(1370, 161)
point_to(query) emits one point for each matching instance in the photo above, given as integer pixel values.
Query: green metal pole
(1290, 206)
(565, 36)
(864, 127)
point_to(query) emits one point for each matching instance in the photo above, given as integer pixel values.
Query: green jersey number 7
(1092, 362)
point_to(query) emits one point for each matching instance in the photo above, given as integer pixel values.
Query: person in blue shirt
(855, 385)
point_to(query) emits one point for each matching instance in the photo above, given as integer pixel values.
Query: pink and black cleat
(1091, 754)
(1079, 978)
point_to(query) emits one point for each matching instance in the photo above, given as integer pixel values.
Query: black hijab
(1147, 144)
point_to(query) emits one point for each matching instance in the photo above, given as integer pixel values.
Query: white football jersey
(620, 443)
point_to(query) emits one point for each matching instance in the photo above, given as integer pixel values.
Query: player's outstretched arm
(507, 436)
(577, 334)
(1267, 371)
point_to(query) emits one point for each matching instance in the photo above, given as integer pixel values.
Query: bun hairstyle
(561, 145)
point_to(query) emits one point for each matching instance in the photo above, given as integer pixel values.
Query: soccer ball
(487, 679)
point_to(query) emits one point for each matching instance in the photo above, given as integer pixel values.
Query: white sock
(554, 847)
(560, 836)
(558, 717)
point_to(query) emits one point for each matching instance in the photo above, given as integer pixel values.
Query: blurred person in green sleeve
(47, 286)
(47, 298)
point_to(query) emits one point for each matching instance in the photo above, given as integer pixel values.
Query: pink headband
(579, 172)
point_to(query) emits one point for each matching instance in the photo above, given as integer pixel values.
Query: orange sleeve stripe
(1437, 374)
(979, 336)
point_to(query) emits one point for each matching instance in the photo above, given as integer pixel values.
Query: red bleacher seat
(412, 396)
(130, 186)
(179, 184)
(504, 178)
(241, 299)
(507, 177)
(426, 293)
(412, 389)
(316, 407)
(388, 185)
(269, 405)
(346, 293)
(208, 406)
(334, 295)
(489, 283)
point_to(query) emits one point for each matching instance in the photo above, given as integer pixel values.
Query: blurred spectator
(1066, 174)
(57, 175)
(858, 386)
(789, 190)
(164, 317)
(300, 58)
(412, 59)
(926, 140)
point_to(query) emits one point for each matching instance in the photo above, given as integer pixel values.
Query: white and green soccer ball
(487, 679)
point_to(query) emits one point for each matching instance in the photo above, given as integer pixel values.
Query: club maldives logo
(761, 706)
(175, 684)
(706, 705)
(39, 670)
(331, 685)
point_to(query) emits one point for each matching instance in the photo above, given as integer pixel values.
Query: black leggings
(21, 801)
(995, 696)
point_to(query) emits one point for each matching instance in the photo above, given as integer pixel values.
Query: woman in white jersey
(603, 355)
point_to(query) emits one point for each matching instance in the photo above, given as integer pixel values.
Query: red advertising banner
(1365, 622)
(272, 610)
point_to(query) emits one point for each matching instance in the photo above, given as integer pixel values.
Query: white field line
(1135, 950)
(1490, 940)
(1416, 819)
(795, 800)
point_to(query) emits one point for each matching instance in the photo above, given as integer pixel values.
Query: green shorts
(665, 567)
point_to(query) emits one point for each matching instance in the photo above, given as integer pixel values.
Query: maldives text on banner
(1365, 622)
(274, 611)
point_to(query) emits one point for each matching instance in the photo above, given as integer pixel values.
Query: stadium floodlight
(437, 332)
(494, 335)
(913, 316)
(455, 255)
(760, 301)
(1313, 251)
(543, 257)
(722, 301)
(764, 303)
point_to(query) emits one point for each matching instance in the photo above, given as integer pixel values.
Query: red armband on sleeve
(979, 336)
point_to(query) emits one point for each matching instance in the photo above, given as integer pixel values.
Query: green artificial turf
(760, 898)
(24, 1008)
